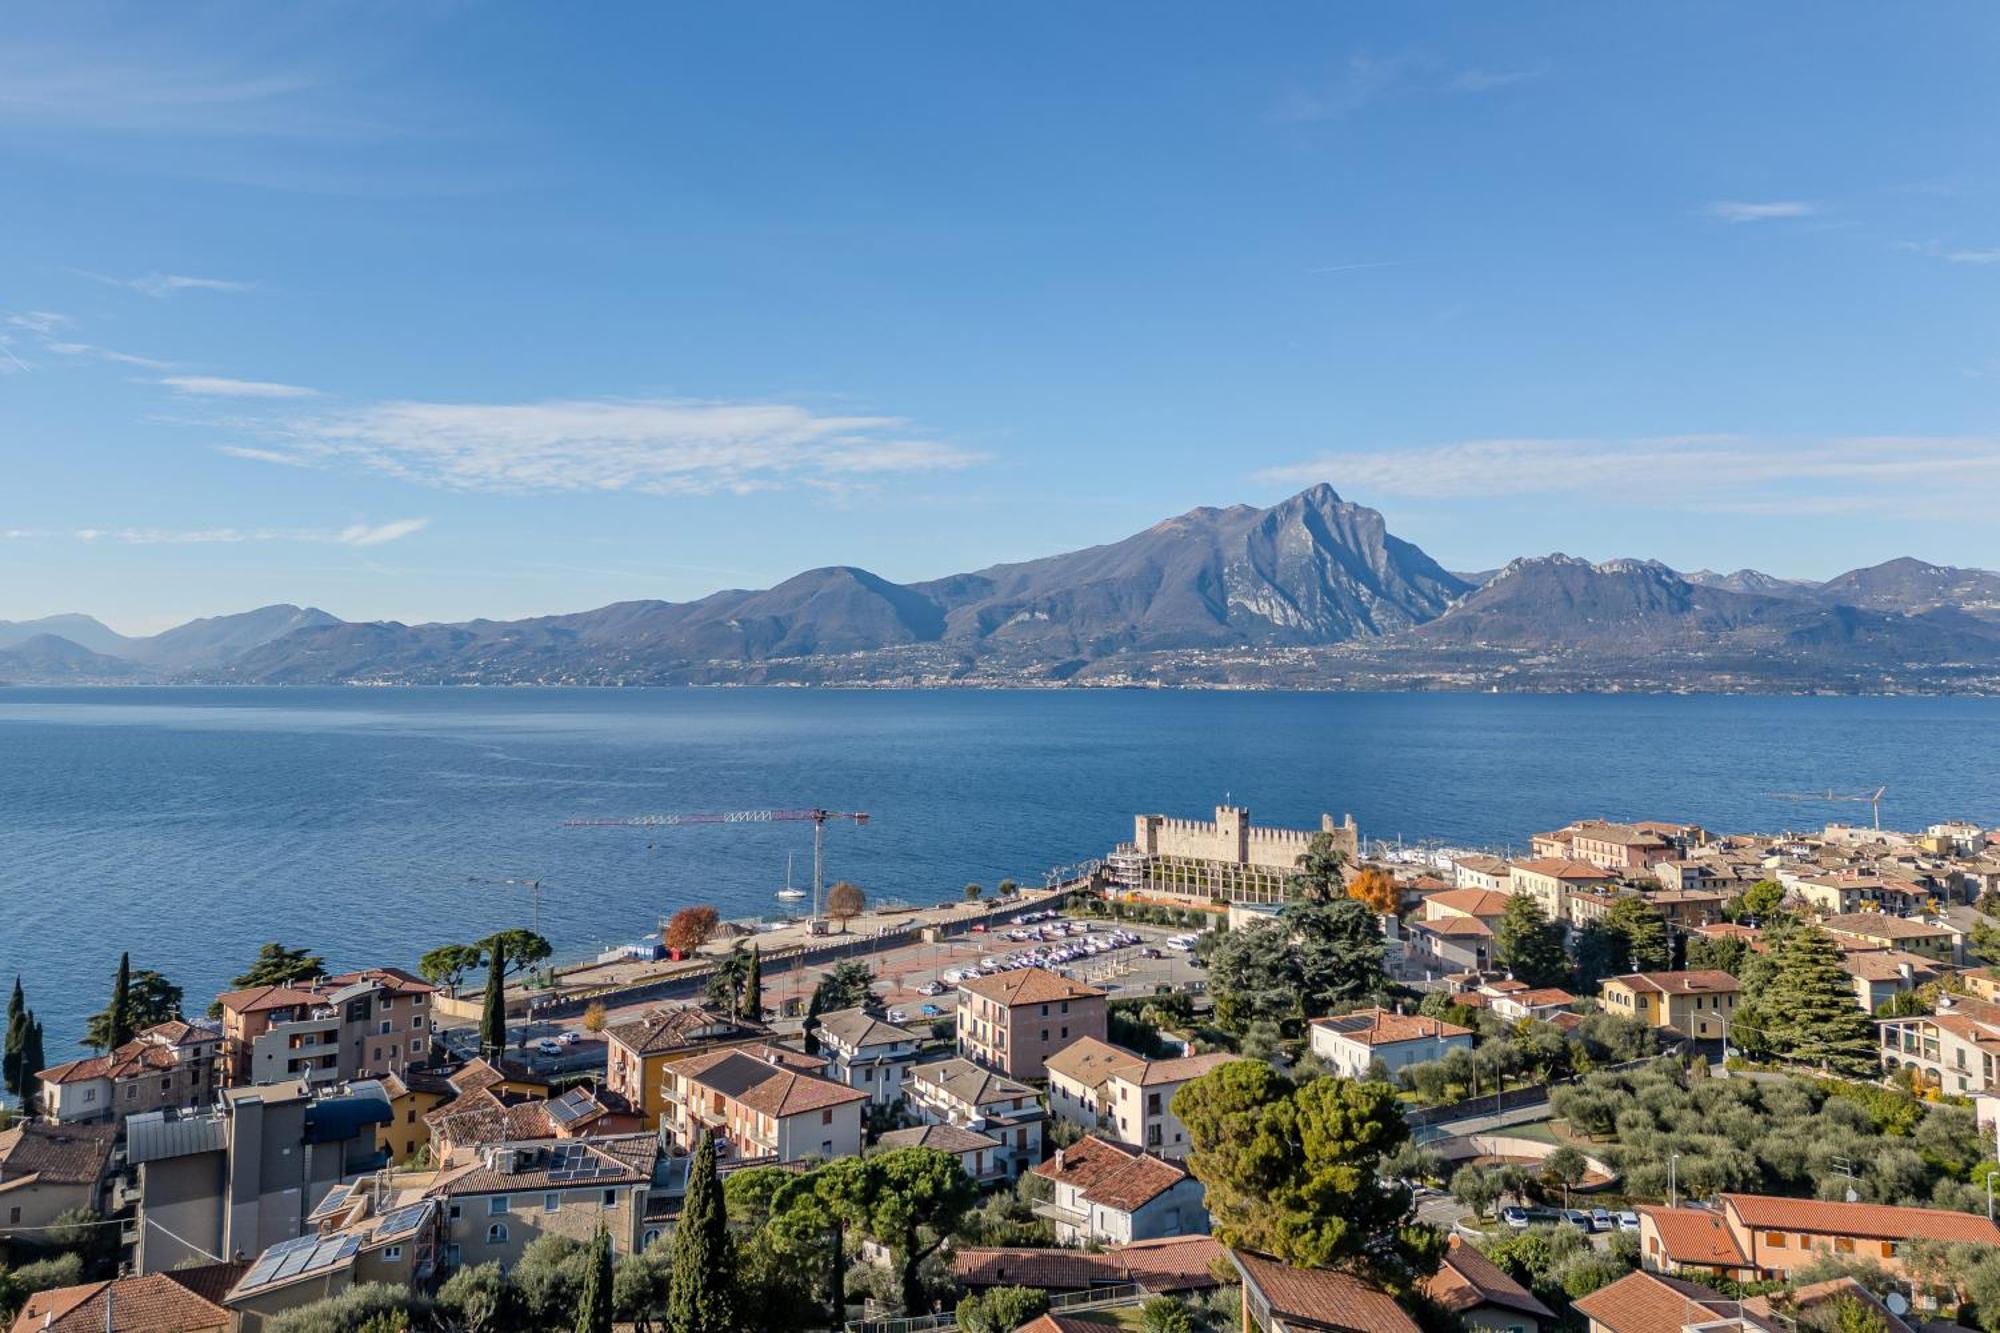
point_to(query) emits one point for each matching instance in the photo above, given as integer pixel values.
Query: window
(384, 1029)
(1775, 1239)
(416, 1046)
(826, 1148)
(497, 1234)
(652, 1234)
(14, 1215)
(392, 1254)
(1844, 1244)
(131, 1091)
(551, 1202)
(1888, 1249)
(611, 1198)
(826, 1116)
(496, 1205)
(1045, 1034)
(90, 1094)
(455, 1212)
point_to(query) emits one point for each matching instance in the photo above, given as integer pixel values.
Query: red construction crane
(817, 818)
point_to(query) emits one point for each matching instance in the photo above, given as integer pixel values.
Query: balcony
(1055, 1212)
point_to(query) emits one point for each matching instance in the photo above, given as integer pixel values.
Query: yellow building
(638, 1053)
(1695, 1004)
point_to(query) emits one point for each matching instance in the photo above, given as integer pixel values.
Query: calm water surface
(192, 825)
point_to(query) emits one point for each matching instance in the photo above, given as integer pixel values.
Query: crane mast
(816, 817)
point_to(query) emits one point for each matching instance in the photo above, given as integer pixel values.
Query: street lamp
(1673, 1180)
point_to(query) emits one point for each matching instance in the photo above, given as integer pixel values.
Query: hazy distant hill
(84, 631)
(1310, 590)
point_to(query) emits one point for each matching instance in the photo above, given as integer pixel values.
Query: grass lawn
(1538, 1130)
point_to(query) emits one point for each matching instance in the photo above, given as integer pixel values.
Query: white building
(1122, 1095)
(866, 1053)
(1352, 1043)
(1111, 1195)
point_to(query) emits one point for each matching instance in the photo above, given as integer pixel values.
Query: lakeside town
(1644, 1076)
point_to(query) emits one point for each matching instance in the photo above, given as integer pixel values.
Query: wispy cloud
(1353, 268)
(215, 386)
(649, 445)
(1705, 473)
(1737, 210)
(1364, 78)
(106, 354)
(46, 327)
(162, 285)
(43, 323)
(355, 534)
(1950, 254)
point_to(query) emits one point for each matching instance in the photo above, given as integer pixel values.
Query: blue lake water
(192, 825)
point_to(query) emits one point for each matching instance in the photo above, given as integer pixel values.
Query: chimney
(1906, 972)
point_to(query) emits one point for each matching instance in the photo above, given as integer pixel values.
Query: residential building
(1649, 1303)
(1549, 880)
(1765, 1236)
(1696, 1004)
(637, 1053)
(1355, 1043)
(1455, 931)
(47, 1170)
(766, 1103)
(1164, 1267)
(184, 1301)
(1688, 909)
(1484, 1298)
(486, 1103)
(1935, 940)
(511, 1194)
(1228, 860)
(328, 1030)
(1542, 1003)
(1278, 1298)
(369, 1231)
(866, 1053)
(1109, 1195)
(1688, 876)
(978, 1154)
(1479, 871)
(1954, 1050)
(959, 1092)
(1831, 895)
(1123, 1096)
(241, 1176)
(1881, 974)
(1013, 1021)
(169, 1065)
(1619, 846)
(412, 1096)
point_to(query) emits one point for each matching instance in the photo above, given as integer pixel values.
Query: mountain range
(1311, 592)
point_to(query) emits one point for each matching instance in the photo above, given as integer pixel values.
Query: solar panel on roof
(335, 1200)
(403, 1219)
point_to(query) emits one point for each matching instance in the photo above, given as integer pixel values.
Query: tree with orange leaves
(1377, 889)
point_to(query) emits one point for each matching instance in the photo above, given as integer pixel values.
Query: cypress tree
(121, 1003)
(701, 1297)
(17, 1035)
(1528, 945)
(753, 988)
(593, 1305)
(493, 1018)
(1810, 1003)
(810, 1029)
(32, 1062)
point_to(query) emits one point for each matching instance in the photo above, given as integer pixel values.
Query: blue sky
(437, 311)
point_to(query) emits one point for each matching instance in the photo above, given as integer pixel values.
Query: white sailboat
(788, 894)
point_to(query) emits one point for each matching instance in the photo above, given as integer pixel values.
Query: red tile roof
(1649, 1303)
(1177, 1263)
(1681, 983)
(1874, 1220)
(1110, 1176)
(156, 1303)
(1029, 985)
(1695, 1236)
(1467, 902)
(1379, 1027)
(1467, 1279)
(56, 1154)
(1323, 1297)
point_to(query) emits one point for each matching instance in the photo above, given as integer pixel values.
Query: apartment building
(1953, 1050)
(328, 1030)
(1229, 859)
(867, 1054)
(167, 1066)
(1879, 975)
(1013, 1021)
(959, 1092)
(765, 1103)
(1619, 846)
(363, 1232)
(1549, 880)
(1353, 1044)
(1455, 931)
(48, 1170)
(1480, 871)
(1936, 940)
(1761, 1236)
(243, 1175)
(1107, 1194)
(637, 1053)
(511, 1194)
(979, 1155)
(1696, 1004)
(1123, 1096)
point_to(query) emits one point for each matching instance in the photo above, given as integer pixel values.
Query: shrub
(1001, 1309)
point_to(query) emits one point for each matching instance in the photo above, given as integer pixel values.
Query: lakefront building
(171, 1064)
(1014, 1021)
(329, 1029)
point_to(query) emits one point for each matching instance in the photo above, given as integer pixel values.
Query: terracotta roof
(474, 1076)
(388, 978)
(944, 1138)
(622, 1160)
(1029, 985)
(1109, 1176)
(1816, 1294)
(1467, 1279)
(770, 1080)
(1695, 1236)
(1681, 983)
(1177, 1263)
(1453, 925)
(1467, 902)
(1323, 1297)
(1555, 867)
(964, 1081)
(150, 1052)
(156, 1303)
(56, 1154)
(1181, 1068)
(1644, 1302)
(1877, 1220)
(856, 1028)
(1881, 926)
(1379, 1027)
(683, 1028)
(1057, 1323)
(1089, 1061)
(1546, 995)
(1888, 965)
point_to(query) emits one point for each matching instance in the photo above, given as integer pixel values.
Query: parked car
(1628, 1220)
(1520, 1219)
(931, 988)
(898, 1016)
(570, 1038)
(548, 1046)
(1578, 1218)
(931, 1011)
(1603, 1219)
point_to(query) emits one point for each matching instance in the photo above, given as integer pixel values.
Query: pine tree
(593, 1305)
(493, 1018)
(1528, 945)
(702, 1295)
(11, 1078)
(121, 1004)
(1643, 932)
(811, 1026)
(1810, 1003)
(752, 1006)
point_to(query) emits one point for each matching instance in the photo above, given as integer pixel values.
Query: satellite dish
(1898, 1303)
